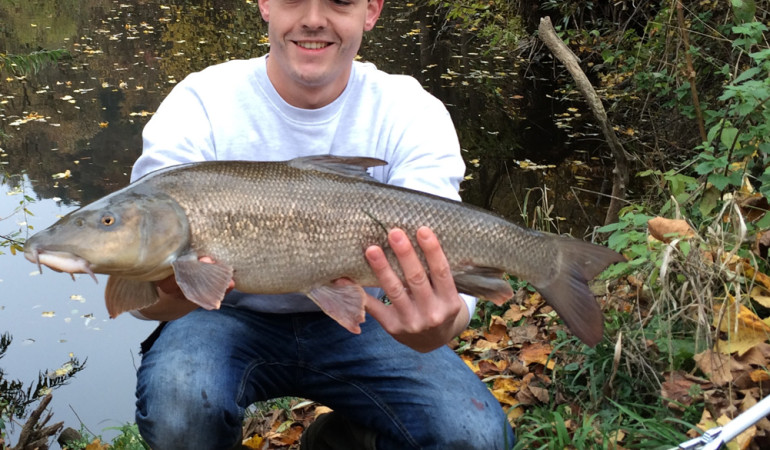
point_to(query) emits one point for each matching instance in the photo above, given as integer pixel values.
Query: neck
(307, 96)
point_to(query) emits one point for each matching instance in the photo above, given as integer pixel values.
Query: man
(394, 386)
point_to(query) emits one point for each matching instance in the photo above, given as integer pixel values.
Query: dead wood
(620, 174)
(35, 434)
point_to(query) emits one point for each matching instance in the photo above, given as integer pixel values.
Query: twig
(690, 71)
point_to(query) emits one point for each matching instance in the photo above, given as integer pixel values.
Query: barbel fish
(298, 225)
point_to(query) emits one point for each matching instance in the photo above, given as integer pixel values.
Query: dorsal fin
(348, 166)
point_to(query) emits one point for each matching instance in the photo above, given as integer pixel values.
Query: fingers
(416, 282)
(421, 291)
(440, 273)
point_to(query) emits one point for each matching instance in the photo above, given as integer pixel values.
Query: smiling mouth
(312, 45)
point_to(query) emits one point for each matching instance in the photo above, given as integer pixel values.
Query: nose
(314, 17)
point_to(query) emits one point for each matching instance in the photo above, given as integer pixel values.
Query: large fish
(296, 226)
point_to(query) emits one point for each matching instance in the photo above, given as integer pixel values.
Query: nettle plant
(738, 141)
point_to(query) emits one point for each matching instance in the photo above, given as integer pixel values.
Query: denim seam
(374, 398)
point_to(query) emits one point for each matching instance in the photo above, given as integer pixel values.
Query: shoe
(333, 431)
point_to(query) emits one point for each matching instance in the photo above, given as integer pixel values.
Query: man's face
(313, 42)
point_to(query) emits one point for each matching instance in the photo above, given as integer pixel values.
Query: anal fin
(486, 283)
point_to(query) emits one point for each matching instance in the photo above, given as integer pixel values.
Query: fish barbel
(296, 226)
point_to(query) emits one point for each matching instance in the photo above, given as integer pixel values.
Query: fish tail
(568, 293)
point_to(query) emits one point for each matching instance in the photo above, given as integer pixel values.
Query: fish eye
(108, 220)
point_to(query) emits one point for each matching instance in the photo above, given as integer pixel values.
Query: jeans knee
(485, 430)
(180, 418)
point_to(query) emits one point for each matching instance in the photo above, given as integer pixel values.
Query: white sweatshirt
(231, 111)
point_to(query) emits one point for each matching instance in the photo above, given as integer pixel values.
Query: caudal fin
(577, 263)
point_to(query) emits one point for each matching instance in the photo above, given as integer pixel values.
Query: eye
(108, 220)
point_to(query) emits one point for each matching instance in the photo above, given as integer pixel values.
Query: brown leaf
(667, 230)
(677, 388)
(753, 206)
(497, 330)
(523, 334)
(715, 365)
(483, 344)
(537, 352)
(488, 367)
(761, 244)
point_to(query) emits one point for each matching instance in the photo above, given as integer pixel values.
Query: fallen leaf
(741, 441)
(744, 329)
(256, 442)
(761, 295)
(761, 244)
(759, 375)
(667, 230)
(537, 353)
(757, 276)
(715, 365)
(497, 330)
(677, 389)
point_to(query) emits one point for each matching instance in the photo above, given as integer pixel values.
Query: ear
(264, 9)
(373, 10)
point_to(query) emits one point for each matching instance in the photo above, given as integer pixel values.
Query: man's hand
(427, 312)
(171, 303)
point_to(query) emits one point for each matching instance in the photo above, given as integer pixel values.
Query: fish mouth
(60, 262)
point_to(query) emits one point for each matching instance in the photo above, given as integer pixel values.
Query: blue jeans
(205, 368)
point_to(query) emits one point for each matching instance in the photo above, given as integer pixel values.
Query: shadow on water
(74, 128)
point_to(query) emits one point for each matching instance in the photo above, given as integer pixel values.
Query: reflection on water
(52, 318)
(75, 130)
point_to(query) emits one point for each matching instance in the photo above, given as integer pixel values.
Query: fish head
(132, 234)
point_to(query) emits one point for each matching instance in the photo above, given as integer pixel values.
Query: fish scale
(296, 226)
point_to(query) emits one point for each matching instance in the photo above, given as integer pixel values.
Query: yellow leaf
(760, 295)
(759, 277)
(255, 441)
(514, 414)
(759, 375)
(97, 445)
(743, 440)
(504, 397)
(744, 329)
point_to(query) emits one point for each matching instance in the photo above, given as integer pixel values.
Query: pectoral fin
(343, 303)
(483, 282)
(123, 295)
(204, 284)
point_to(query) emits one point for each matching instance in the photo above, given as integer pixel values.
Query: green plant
(546, 427)
(738, 143)
(495, 22)
(129, 438)
(22, 65)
